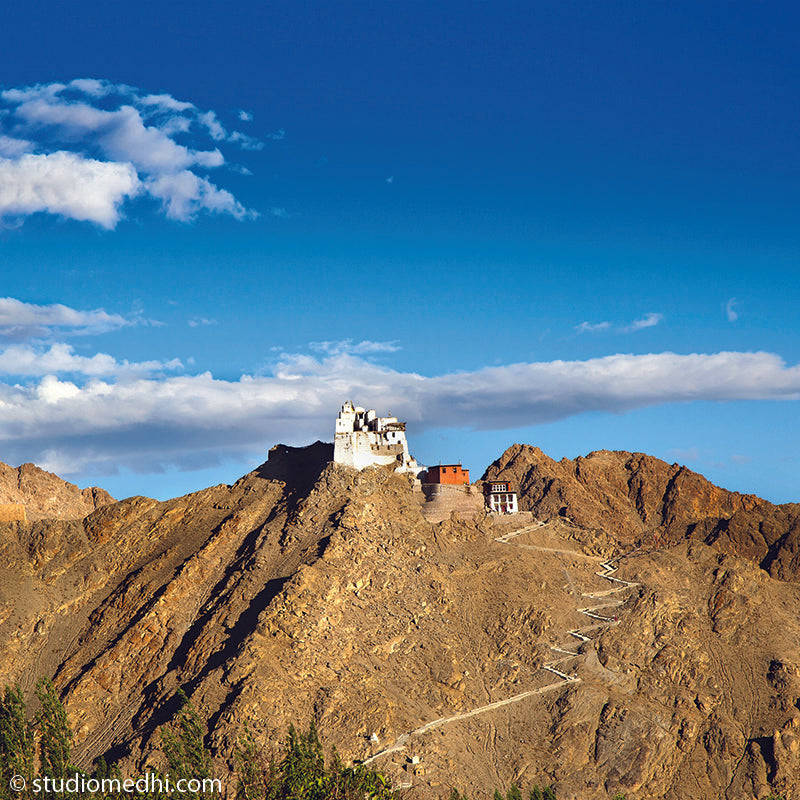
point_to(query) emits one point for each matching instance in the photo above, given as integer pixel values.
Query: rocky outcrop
(46, 496)
(633, 497)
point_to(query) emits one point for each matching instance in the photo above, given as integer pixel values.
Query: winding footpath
(564, 678)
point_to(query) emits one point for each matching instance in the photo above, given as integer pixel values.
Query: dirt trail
(565, 678)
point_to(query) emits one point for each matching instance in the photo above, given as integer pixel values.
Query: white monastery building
(363, 439)
(500, 497)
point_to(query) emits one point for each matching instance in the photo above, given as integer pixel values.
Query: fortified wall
(442, 499)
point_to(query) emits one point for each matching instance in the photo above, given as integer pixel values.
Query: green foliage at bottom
(16, 741)
(302, 773)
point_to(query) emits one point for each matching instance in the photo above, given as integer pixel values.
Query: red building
(448, 473)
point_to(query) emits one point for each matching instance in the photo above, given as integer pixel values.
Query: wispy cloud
(364, 347)
(27, 360)
(194, 420)
(647, 321)
(20, 321)
(82, 149)
(13, 148)
(592, 327)
(684, 454)
(201, 322)
(730, 309)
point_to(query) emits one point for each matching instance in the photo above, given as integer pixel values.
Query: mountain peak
(44, 495)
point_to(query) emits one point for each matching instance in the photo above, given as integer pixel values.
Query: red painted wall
(448, 473)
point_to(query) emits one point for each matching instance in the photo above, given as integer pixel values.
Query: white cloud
(121, 135)
(66, 184)
(115, 141)
(246, 142)
(90, 86)
(25, 360)
(52, 391)
(165, 102)
(245, 116)
(13, 148)
(21, 321)
(214, 126)
(183, 195)
(592, 327)
(730, 309)
(356, 348)
(647, 321)
(193, 420)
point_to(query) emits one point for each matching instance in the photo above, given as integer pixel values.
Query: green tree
(55, 734)
(302, 773)
(254, 774)
(16, 742)
(303, 766)
(184, 748)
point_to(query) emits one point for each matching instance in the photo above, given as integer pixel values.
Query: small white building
(363, 439)
(500, 497)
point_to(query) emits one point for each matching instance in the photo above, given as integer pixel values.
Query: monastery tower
(363, 439)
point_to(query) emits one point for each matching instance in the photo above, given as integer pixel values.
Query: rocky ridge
(308, 590)
(46, 496)
(633, 497)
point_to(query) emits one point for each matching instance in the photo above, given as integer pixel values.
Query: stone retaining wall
(442, 499)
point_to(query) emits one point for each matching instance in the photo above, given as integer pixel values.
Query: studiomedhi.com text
(147, 783)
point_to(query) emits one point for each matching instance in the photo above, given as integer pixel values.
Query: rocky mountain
(43, 495)
(637, 498)
(467, 653)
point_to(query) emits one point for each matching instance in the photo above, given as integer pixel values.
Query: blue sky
(572, 224)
